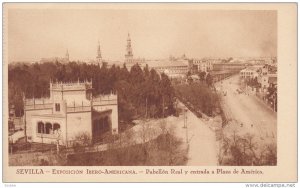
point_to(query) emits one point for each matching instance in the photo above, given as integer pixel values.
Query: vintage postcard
(160, 92)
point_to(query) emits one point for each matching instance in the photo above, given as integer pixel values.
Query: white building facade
(70, 111)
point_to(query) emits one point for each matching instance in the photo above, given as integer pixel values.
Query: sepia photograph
(124, 89)
(138, 86)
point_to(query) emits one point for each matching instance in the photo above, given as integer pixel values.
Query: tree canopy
(141, 92)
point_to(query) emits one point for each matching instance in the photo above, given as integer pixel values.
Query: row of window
(248, 73)
(47, 128)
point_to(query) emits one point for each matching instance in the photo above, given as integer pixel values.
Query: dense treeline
(199, 95)
(141, 93)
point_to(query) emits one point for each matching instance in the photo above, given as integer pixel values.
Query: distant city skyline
(155, 34)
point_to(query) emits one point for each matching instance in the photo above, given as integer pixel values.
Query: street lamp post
(58, 133)
(185, 125)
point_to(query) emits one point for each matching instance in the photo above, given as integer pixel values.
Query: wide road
(200, 138)
(247, 113)
(202, 142)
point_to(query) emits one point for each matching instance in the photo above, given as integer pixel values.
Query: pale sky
(34, 34)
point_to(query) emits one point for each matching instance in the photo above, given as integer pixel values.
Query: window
(57, 107)
(40, 127)
(56, 127)
(48, 128)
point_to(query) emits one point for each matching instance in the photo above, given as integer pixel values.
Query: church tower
(99, 57)
(67, 56)
(129, 54)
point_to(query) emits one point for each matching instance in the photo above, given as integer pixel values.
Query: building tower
(99, 57)
(67, 56)
(129, 54)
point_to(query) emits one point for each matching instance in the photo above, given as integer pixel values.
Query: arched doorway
(101, 127)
